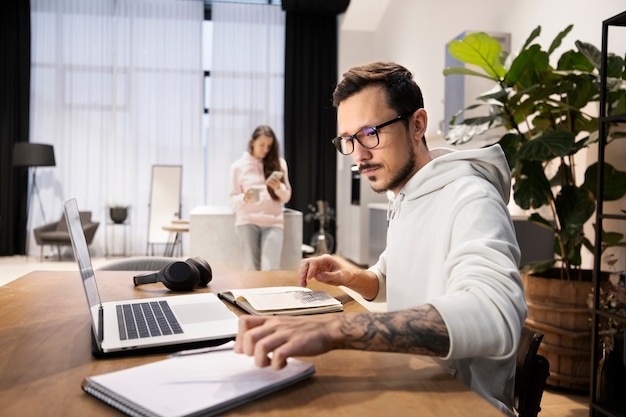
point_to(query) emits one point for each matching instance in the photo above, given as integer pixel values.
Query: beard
(397, 179)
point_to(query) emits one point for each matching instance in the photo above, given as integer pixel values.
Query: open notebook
(286, 300)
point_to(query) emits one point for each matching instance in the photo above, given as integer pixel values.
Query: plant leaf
(572, 61)
(531, 188)
(465, 71)
(549, 145)
(511, 143)
(580, 91)
(612, 238)
(481, 50)
(615, 67)
(614, 181)
(592, 53)
(533, 35)
(528, 68)
(559, 38)
(574, 207)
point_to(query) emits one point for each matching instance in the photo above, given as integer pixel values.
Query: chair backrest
(85, 217)
(532, 371)
(141, 263)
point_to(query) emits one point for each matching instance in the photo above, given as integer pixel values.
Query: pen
(225, 346)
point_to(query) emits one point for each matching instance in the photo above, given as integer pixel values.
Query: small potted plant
(322, 241)
(612, 358)
(118, 213)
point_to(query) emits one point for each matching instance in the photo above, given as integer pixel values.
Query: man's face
(389, 165)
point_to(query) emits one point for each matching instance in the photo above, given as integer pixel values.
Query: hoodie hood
(448, 165)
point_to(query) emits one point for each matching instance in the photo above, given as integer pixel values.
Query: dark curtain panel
(310, 118)
(14, 122)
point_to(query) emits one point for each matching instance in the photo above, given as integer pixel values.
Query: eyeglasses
(367, 137)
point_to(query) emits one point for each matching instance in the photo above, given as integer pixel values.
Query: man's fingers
(245, 324)
(266, 349)
(307, 269)
(258, 338)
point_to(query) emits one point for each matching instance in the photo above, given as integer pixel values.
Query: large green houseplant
(546, 115)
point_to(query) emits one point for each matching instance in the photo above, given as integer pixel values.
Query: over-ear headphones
(179, 275)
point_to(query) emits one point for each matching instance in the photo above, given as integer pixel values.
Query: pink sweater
(246, 172)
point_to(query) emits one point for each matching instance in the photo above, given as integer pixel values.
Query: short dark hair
(402, 92)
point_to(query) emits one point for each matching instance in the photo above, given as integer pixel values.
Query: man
(449, 272)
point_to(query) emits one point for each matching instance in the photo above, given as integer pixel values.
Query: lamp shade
(33, 155)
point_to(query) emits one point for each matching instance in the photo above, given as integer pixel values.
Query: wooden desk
(45, 352)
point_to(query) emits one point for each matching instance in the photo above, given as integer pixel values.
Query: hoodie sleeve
(379, 269)
(484, 304)
(235, 190)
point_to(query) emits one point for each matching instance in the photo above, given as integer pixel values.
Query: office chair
(140, 263)
(532, 372)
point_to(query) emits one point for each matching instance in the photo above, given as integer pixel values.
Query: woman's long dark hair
(271, 162)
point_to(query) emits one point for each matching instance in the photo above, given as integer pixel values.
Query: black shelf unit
(616, 405)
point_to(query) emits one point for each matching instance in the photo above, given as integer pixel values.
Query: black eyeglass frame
(374, 129)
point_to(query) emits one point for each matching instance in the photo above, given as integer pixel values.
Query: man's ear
(420, 122)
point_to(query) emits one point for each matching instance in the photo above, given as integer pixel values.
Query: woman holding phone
(259, 187)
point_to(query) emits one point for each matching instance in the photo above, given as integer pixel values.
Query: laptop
(147, 325)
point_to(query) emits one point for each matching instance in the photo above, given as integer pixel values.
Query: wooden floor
(555, 403)
(560, 403)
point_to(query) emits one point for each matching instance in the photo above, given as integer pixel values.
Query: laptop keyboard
(149, 319)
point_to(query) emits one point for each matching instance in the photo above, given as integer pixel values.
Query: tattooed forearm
(420, 330)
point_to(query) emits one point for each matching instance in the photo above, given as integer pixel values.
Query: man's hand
(271, 340)
(323, 268)
(331, 271)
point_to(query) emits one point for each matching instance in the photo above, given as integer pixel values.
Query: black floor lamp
(33, 155)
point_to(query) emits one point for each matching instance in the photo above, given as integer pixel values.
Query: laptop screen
(81, 252)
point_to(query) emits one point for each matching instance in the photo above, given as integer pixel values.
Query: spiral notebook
(193, 383)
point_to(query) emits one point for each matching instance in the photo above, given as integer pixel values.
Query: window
(207, 57)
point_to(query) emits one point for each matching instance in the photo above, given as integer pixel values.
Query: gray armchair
(56, 234)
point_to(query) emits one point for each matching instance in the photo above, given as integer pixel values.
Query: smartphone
(275, 175)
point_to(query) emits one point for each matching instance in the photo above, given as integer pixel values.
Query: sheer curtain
(116, 88)
(247, 80)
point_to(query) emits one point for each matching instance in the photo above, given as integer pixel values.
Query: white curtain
(247, 80)
(116, 87)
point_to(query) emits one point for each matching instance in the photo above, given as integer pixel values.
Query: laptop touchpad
(202, 312)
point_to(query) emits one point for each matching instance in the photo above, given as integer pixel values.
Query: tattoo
(419, 330)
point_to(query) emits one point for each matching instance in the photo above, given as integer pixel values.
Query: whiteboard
(165, 201)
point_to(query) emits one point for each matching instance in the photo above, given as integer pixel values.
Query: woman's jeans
(262, 247)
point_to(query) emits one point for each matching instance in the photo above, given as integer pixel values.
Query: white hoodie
(451, 243)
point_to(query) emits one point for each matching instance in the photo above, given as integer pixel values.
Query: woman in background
(259, 186)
